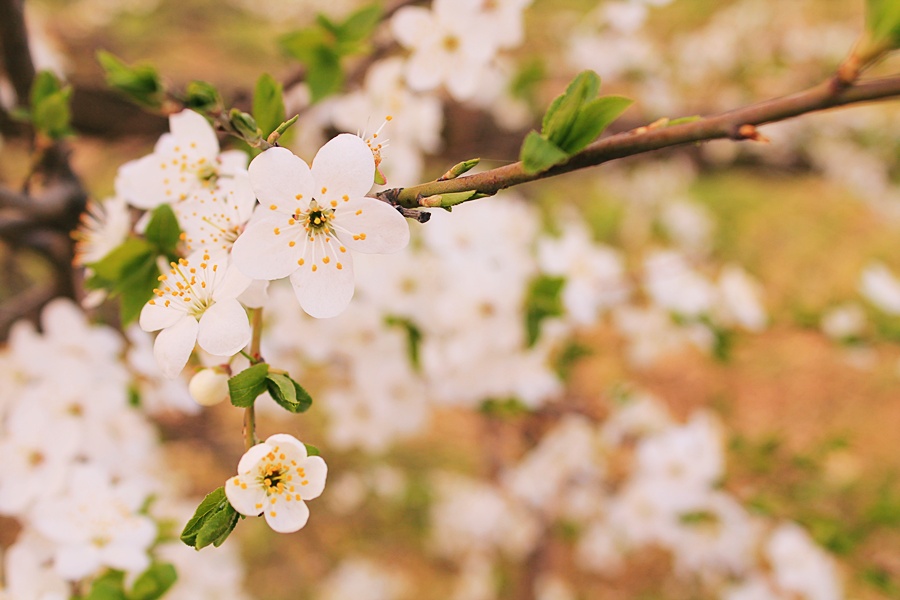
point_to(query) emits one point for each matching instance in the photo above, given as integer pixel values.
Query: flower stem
(249, 429)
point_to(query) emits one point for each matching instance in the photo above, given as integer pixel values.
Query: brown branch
(738, 124)
(14, 46)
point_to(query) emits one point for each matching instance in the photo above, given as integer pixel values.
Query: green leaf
(202, 97)
(289, 394)
(109, 586)
(413, 338)
(303, 43)
(45, 84)
(539, 154)
(560, 116)
(543, 300)
(360, 25)
(592, 119)
(212, 523)
(163, 231)
(268, 104)
(136, 288)
(110, 269)
(52, 114)
(324, 74)
(312, 450)
(247, 385)
(245, 125)
(154, 582)
(140, 82)
(503, 408)
(883, 22)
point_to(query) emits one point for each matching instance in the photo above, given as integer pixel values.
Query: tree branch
(738, 124)
(14, 45)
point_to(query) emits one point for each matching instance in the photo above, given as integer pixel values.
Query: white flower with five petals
(196, 303)
(275, 478)
(311, 217)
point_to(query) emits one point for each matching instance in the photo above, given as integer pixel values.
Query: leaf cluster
(130, 271)
(48, 109)
(149, 585)
(212, 523)
(322, 46)
(245, 387)
(573, 120)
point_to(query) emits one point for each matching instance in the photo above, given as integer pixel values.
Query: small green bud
(246, 126)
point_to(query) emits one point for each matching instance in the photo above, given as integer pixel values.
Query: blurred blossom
(844, 321)
(356, 578)
(740, 300)
(880, 287)
(800, 566)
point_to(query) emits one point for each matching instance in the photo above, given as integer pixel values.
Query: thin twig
(738, 124)
(14, 46)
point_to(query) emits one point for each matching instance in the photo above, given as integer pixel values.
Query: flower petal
(327, 291)
(251, 458)
(156, 316)
(345, 167)
(189, 127)
(371, 226)
(244, 495)
(287, 517)
(278, 178)
(410, 24)
(261, 253)
(174, 345)
(316, 472)
(224, 328)
(295, 447)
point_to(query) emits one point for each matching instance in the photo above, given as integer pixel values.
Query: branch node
(417, 215)
(750, 132)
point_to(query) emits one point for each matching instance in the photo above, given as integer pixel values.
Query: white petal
(256, 295)
(371, 226)
(251, 458)
(260, 253)
(316, 473)
(141, 183)
(189, 127)
(422, 74)
(410, 24)
(224, 328)
(345, 167)
(327, 291)
(174, 344)
(232, 283)
(157, 316)
(278, 177)
(232, 162)
(295, 447)
(245, 496)
(287, 517)
(76, 562)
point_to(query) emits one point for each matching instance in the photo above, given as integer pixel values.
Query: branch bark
(737, 124)
(14, 45)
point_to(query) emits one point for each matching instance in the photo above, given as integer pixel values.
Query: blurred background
(671, 376)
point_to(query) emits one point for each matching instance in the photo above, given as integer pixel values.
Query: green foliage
(163, 231)
(883, 22)
(268, 104)
(571, 353)
(212, 523)
(109, 586)
(287, 393)
(573, 120)
(247, 385)
(312, 450)
(503, 408)
(49, 106)
(202, 97)
(413, 338)
(141, 83)
(543, 300)
(245, 125)
(130, 271)
(154, 582)
(321, 47)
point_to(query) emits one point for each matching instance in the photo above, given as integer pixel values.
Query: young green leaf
(141, 83)
(324, 73)
(247, 385)
(109, 586)
(543, 300)
(163, 231)
(52, 114)
(112, 267)
(202, 97)
(153, 583)
(592, 119)
(212, 523)
(883, 22)
(136, 288)
(312, 450)
(45, 84)
(413, 338)
(560, 116)
(539, 154)
(268, 104)
(289, 394)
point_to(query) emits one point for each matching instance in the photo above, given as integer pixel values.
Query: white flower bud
(208, 387)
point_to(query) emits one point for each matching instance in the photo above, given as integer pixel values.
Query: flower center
(208, 175)
(182, 287)
(274, 478)
(317, 219)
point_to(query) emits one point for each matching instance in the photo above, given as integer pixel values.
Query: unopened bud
(209, 387)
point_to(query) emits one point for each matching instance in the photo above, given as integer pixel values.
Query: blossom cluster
(84, 475)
